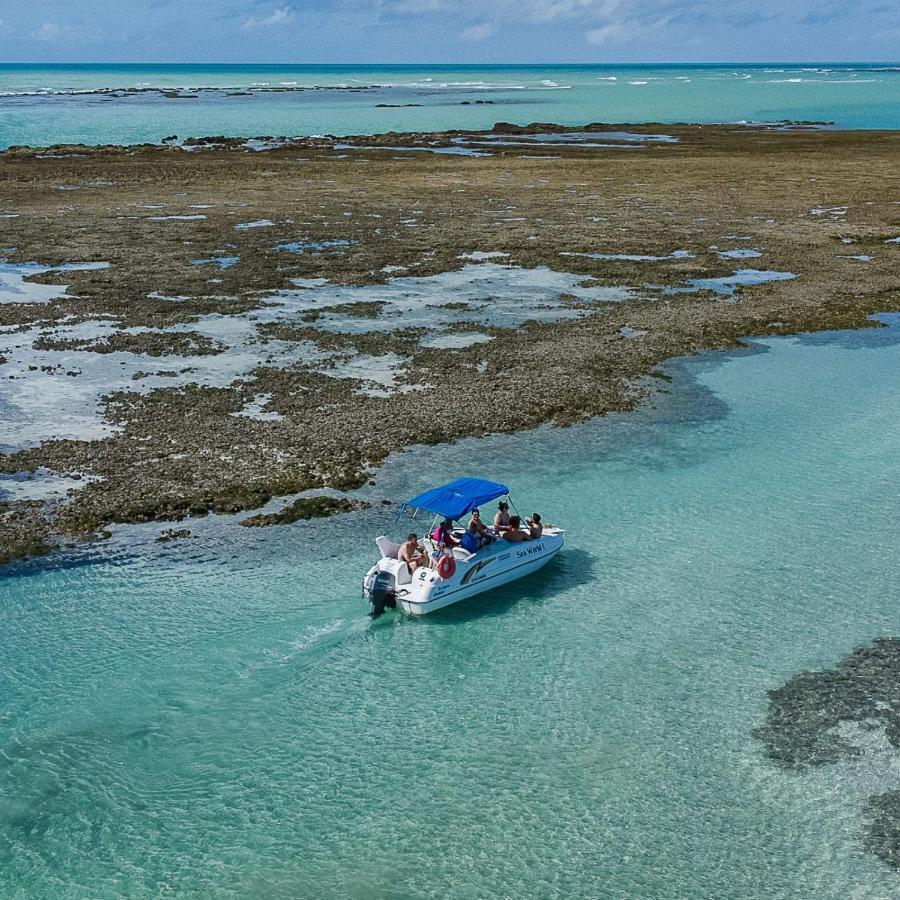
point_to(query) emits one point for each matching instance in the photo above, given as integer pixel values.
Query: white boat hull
(491, 567)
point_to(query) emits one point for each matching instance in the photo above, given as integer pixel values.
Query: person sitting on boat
(535, 526)
(443, 535)
(470, 540)
(501, 517)
(476, 526)
(514, 533)
(412, 554)
(476, 534)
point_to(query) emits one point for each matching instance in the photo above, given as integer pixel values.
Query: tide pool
(51, 104)
(217, 716)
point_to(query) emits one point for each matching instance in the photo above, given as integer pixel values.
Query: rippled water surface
(217, 715)
(97, 104)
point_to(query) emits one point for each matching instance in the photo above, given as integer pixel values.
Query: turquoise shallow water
(218, 717)
(42, 105)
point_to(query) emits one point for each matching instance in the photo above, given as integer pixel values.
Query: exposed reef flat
(808, 719)
(203, 326)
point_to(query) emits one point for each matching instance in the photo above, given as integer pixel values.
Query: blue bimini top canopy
(459, 497)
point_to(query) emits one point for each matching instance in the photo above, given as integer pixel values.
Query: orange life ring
(446, 567)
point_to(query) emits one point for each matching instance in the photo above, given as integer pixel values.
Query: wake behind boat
(452, 562)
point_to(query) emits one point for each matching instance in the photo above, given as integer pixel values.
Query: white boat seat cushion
(388, 548)
(400, 570)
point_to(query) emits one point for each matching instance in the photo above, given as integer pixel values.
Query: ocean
(128, 104)
(218, 717)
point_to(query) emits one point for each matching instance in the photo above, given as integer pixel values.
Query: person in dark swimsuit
(501, 517)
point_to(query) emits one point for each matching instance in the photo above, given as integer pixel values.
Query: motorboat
(454, 573)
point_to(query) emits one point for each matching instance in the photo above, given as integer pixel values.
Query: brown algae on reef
(332, 314)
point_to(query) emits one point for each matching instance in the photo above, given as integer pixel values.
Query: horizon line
(727, 62)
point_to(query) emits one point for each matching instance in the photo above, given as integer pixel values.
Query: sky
(449, 31)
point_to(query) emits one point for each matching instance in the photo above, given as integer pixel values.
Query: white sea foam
(457, 340)
(633, 257)
(41, 484)
(479, 255)
(256, 409)
(194, 217)
(16, 288)
(739, 253)
(727, 286)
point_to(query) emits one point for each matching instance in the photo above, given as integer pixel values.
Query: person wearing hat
(501, 517)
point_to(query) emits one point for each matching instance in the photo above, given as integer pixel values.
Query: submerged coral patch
(808, 718)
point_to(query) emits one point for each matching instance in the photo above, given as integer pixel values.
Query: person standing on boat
(412, 554)
(501, 517)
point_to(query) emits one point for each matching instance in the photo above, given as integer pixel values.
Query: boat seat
(388, 548)
(402, 575)
(400, 570)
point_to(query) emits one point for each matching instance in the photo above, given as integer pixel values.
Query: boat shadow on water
(571, 568)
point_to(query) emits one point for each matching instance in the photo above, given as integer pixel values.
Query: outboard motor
(380, 590)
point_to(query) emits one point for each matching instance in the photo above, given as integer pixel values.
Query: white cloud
(623, 31)
(606, 34)
(55, 33)
(477, 32)
(281, 16)
(414, 6)
(549, 10)
(50, 31)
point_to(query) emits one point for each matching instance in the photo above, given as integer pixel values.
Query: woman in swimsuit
(501, 517)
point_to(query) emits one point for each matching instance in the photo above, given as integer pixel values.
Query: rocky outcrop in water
(802, 725)
(304, 508)
(185, 433)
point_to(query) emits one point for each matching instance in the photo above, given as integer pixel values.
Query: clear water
(217, 716)
(42, 104)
